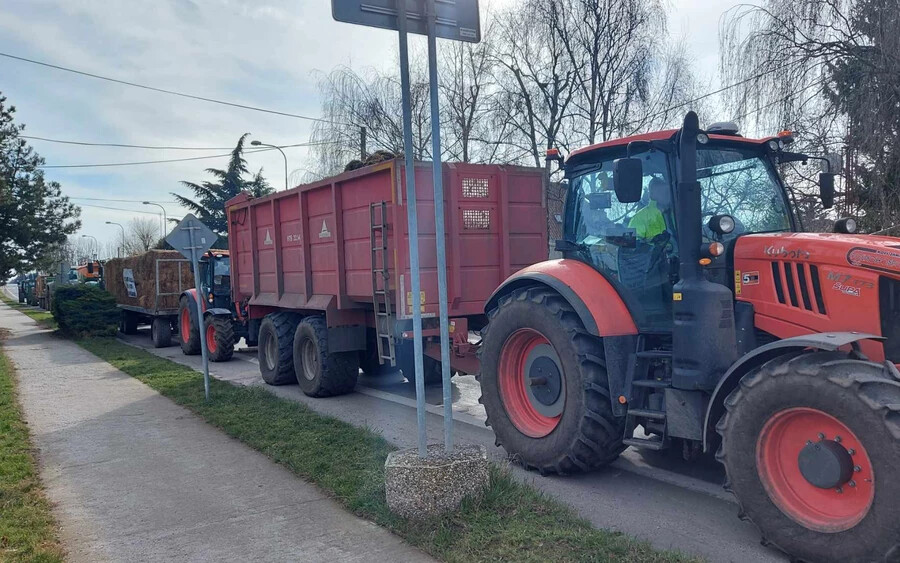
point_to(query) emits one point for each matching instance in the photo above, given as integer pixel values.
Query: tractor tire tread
(224, 335)
(191, 346)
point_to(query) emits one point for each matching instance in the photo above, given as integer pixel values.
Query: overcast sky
(266, 53)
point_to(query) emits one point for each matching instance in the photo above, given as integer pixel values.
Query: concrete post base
(421, 487)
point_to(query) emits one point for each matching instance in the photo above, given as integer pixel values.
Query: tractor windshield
(222, 273)
(741, 182)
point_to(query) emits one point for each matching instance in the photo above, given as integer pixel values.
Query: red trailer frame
(310, 250)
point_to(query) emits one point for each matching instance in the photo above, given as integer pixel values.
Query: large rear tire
(276, 348)
(319, 372)
(810, 444)
(219, 338)
(544, 385)
(188, 327)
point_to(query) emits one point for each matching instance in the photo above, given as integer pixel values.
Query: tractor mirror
(826, 189)
(628, 179)
(90, 267)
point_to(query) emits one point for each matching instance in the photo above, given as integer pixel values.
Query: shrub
(85, 310)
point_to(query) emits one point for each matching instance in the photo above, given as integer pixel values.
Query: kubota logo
(797, 253)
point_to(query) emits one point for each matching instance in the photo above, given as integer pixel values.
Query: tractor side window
(633, 244)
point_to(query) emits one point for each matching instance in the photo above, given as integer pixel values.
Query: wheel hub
(825, 464)
(532, 385)
(544, 379)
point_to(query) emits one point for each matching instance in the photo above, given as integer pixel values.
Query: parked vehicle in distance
(320, 273)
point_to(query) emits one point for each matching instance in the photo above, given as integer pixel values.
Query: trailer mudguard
(828, 341)
(594, 299)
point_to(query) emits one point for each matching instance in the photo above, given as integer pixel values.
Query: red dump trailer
(320, 273)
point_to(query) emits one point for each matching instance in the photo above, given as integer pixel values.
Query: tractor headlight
(846, 225)
(702, 138)
(721, 224)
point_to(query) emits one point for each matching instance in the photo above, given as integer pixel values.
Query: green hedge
(85, 310)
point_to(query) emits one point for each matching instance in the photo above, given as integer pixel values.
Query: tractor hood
(868, 252)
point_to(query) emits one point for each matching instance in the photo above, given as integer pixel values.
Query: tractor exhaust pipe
(703, 334)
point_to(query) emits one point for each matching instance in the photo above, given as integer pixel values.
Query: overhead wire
(166, 91)
(123, 145)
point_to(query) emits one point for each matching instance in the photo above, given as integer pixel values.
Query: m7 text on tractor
(689, 304)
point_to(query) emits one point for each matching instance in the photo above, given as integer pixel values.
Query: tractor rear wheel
(188, 328)
(276, 348)
(544, 385)
(219, 338)
(319, 372)
(810, 443)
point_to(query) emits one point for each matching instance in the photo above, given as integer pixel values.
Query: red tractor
(689, 311)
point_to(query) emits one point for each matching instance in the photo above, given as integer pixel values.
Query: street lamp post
(261, 144)
(96, 252)
(123, 235)
(164, 216)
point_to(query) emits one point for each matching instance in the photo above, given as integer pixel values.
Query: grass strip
(512, 522)
(27, 527)
(43, 318)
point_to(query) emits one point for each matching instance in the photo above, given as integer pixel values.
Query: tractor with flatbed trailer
(320, 273)
(690, 313)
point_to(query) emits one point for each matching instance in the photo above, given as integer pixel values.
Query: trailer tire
(276, 348)
(406, 362)
(788, 402)
(320, 373)
(535, 330)
(128, 323)
(161, 332)
(188, 327)
(219, 338)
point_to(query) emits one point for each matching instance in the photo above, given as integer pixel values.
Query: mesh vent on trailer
(476, 219)
(475, 188)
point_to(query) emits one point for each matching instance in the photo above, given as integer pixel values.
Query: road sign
(192, 238)
(456, 19)
(180, 237)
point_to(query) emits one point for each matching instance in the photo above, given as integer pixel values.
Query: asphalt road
(654, 496)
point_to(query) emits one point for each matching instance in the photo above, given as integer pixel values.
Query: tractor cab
(215, 274)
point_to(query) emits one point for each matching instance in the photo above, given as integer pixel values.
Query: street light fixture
(165, 221)
(96, 252)
(123, 234)
(261, 144)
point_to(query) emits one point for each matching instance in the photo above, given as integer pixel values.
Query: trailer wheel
(219, 338)
(544, 385)
(161, 332)
(276, 348)
(320, 373)
(188, 328)
(128, 323)
(810, 444)
(406, 361)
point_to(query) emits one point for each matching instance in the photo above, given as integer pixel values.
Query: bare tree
(143, 233)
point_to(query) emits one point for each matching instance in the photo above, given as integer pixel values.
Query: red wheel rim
(824, 510)
(512, 381)
(185, 325)
(211, 338)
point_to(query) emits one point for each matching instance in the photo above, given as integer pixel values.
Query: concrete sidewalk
(134, 477)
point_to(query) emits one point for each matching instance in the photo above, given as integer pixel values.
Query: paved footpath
(134, 477)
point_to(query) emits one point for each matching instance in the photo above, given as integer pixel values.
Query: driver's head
(659, 192)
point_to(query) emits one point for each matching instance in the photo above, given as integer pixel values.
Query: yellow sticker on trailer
(737, 282)
(409, 302)
(676, 297)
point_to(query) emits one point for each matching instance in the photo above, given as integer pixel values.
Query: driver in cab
(650, 222)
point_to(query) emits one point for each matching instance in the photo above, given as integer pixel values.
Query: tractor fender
(191, 294)
(828, 341)
(594, 299)
(216, 312)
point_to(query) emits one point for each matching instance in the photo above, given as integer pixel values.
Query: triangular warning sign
(324, 233)
(268, 237)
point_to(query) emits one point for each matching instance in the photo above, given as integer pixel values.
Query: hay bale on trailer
(143, 269)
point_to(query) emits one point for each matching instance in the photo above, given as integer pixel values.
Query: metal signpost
(449, 19)
(192, 238)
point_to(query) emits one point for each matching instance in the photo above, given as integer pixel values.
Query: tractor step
(647, 413)
(654, 354)
(648, 443)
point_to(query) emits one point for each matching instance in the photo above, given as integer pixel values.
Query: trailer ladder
(381, 296)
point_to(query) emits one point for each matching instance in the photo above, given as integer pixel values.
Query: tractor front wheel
(219, 338)
(810, 443)
(544, 385)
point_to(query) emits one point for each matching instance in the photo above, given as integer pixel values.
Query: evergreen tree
(35, 218)
(210, 196)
